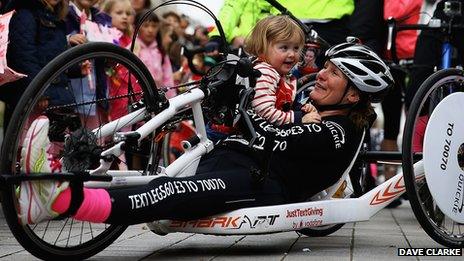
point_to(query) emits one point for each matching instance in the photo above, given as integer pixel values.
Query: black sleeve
(326, 138)
(22, 53)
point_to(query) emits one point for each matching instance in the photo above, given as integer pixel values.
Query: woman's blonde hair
(107, 5)
(270, 30)
(61, 9)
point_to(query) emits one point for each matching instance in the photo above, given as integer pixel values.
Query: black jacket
(306, 158)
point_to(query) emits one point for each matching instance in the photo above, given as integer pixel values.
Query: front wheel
(430, 94)
(79, 92)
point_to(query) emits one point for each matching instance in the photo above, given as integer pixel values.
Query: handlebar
(224, 96)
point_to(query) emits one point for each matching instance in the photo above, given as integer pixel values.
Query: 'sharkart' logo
(227, 222)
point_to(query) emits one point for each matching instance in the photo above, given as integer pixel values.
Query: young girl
(120, 11)
(276, 41)
(93, 85)
(153, 42)
(122, 14)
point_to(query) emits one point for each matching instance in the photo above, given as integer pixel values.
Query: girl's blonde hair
(61, 9)
(107, 5)
(272, 29)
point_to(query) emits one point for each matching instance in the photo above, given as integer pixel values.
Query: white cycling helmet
(363, 67)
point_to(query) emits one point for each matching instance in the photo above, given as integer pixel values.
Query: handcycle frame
(259, 220)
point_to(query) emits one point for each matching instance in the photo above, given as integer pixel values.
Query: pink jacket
(405, 12)
(161, 73)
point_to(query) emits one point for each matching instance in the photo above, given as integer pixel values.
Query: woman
(229, 177)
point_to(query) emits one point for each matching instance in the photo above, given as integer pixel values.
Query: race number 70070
(446, 147)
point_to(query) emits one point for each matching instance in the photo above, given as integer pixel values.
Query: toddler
(276, 41)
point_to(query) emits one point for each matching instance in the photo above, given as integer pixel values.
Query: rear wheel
(76, 109)
(435, 223)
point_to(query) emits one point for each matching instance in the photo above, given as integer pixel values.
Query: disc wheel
(77, 106)
(437, 225)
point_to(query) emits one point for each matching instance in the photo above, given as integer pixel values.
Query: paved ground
(376, 239)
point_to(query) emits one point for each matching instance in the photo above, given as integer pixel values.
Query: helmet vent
(373, 66)
(372, 82)
(354, 69)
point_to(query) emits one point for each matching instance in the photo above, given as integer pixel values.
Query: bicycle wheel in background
(75, 140)
(435, 223)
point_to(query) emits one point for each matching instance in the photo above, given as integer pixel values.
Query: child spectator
(93, 85)
(276, 41)
(153, 42)
(140, 5)
(174, 20)
(121, 12)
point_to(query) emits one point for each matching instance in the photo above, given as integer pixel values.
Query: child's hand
(76, 39)
(308, 108)
(86, 67)
(312, 117)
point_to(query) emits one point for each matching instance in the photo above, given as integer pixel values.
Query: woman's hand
(311, 117)
(76, 39)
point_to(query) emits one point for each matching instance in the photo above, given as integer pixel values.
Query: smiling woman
(361, 76)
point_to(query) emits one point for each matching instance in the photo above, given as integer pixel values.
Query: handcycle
(87, 153)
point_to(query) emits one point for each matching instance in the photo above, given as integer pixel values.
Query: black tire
(77, 240)
(431, 218)
(302, 95)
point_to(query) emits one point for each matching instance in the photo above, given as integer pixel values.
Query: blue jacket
(36, 36)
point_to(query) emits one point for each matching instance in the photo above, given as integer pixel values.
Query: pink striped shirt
(271, 92)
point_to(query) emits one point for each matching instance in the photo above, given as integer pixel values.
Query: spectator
(154, 41)
(121, 12)
(37, 34)
(405, 12)
(428, 52)
(93, 85)
(173, 19)
(140, 5)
